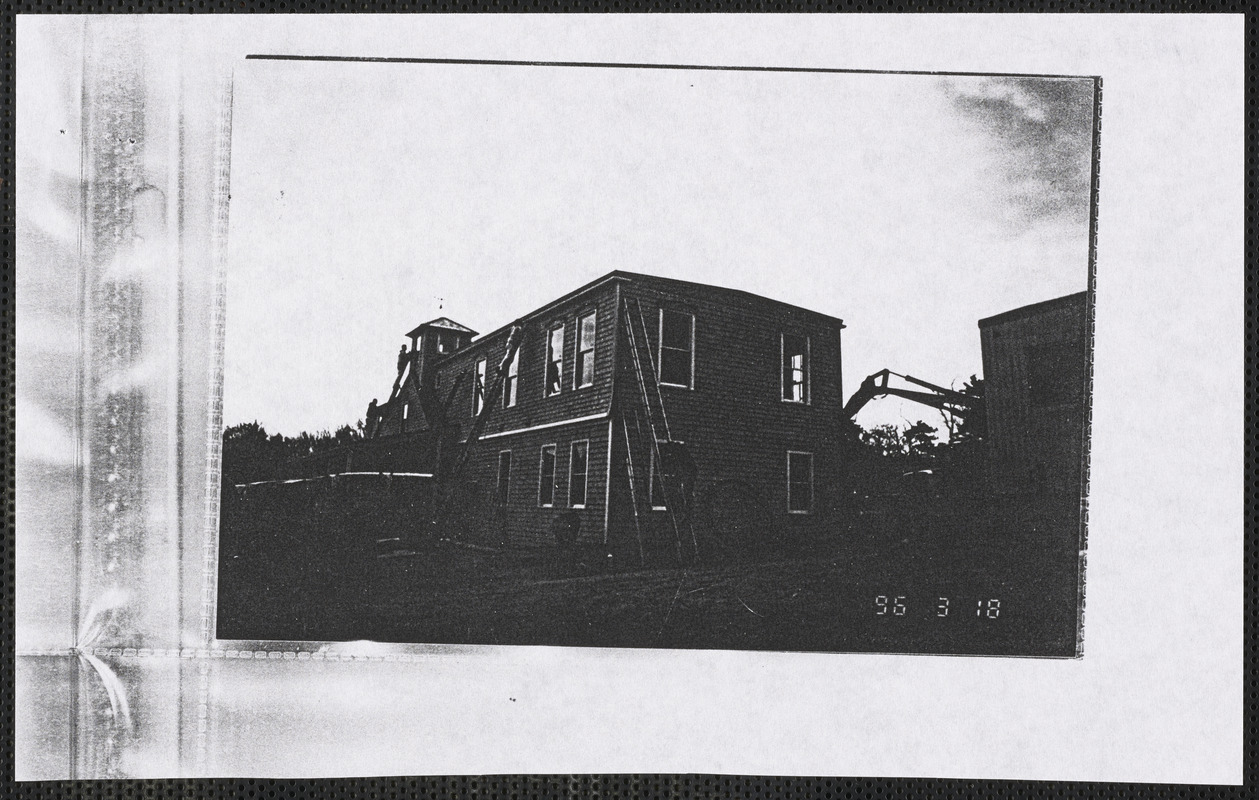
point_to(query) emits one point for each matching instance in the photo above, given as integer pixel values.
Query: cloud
(1041, 133)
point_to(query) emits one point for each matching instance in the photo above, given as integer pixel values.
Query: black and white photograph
(685, 357)
(718, 394)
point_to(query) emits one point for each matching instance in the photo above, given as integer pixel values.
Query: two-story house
(750, 387)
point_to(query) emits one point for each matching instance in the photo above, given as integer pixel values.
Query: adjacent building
(1036, 373)
(749, 390)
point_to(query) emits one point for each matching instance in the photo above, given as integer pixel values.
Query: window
(478, 387)
(671, 477)
(445, 343)
(577, 462)
(585, 367)
(799, 482)
(554, 360)
(677, 348)
(504, 477)
(546, 477)
(509, 380)
(795, 376)
(406, 414)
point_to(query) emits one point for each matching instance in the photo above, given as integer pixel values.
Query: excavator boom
(876, 385)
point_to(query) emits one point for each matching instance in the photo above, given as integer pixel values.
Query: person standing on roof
(403, 358)
(373, 416)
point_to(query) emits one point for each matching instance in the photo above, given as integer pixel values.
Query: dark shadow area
(943, 577)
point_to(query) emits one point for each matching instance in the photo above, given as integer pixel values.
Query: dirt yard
(1003, 581)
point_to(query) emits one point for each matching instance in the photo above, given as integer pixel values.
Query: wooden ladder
(647, 380)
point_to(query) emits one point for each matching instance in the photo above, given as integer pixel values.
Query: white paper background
(1158, 694)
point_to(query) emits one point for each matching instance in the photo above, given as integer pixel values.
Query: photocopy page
(768, 395)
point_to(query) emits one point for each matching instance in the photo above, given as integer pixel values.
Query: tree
(348, 434)
(246, 434)
(885, 440)
(248, 452)
(972, 425)
(965, 452)
(918, 439)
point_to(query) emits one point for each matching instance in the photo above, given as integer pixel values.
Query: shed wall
(1036, 432)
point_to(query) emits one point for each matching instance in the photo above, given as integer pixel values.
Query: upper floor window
(677, 348)
(478, 387)
(585, 368)
(555, 360)
(795, 368)
(510, 380)
(406, 414)
(799, 482)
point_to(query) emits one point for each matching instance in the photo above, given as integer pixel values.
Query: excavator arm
(876, 385)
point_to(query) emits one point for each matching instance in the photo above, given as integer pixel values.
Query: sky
(367, 198)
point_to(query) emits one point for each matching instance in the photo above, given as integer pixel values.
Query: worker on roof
(373, 416)
(403, 358)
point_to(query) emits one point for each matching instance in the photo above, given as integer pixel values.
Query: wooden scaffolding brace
(646, 378)
(448, 481)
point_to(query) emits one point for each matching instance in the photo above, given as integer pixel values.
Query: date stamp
(887, 605)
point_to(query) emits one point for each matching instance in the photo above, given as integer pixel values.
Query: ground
(1002, 580)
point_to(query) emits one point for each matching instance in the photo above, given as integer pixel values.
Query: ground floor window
(799, 482)
(671, 478)
(577, 467)
(504, 477)
(546, 477)
(671, 464)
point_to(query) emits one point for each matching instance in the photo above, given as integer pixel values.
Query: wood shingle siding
(532, 406)
(523, 521)
(732, 418)
(734, 421)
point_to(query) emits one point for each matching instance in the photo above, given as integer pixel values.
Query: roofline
(1034, 309)
(726, 289)
(621, 275)
(419, 328)
(539, 311)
